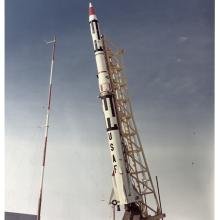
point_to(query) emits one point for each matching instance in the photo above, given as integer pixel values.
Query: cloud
(183, 39)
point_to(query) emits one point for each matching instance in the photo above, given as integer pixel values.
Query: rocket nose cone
(91, 9)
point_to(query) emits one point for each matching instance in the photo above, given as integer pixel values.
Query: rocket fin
(111, 196)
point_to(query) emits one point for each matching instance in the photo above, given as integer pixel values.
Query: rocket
(123, 191)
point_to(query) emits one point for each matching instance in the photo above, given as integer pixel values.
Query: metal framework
(133, 151)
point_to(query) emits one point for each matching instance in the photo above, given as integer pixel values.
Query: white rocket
(123, 190)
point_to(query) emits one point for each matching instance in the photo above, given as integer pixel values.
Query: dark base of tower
(133, 213)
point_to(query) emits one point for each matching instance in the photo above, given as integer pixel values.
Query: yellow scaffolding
(133, 151)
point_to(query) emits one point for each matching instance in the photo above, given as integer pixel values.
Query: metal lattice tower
(134, 155)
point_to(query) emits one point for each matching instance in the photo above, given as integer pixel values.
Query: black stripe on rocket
(95, 26)
(110, 126)
(95, 29)
(96, 47)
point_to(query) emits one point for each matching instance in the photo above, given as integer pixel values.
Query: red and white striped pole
(46, 128)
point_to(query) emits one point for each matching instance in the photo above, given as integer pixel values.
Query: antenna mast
(46, 127)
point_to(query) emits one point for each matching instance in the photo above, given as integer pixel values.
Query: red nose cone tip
(91, 9)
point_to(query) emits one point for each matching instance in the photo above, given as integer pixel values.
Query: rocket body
(123, 191)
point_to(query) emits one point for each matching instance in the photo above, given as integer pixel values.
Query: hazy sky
(169, 65)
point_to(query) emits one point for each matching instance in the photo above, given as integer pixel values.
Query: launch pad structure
(137, 167)
(133, 186)
(132, 183)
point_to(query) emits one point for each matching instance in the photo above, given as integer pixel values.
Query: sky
(169, 63)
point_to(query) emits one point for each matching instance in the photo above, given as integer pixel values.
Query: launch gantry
(136, 162)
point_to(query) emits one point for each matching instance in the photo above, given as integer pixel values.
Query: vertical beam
(113, 209)
(158, 190)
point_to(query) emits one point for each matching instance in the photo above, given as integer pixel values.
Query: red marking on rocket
(113, 173)
(91, 9)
